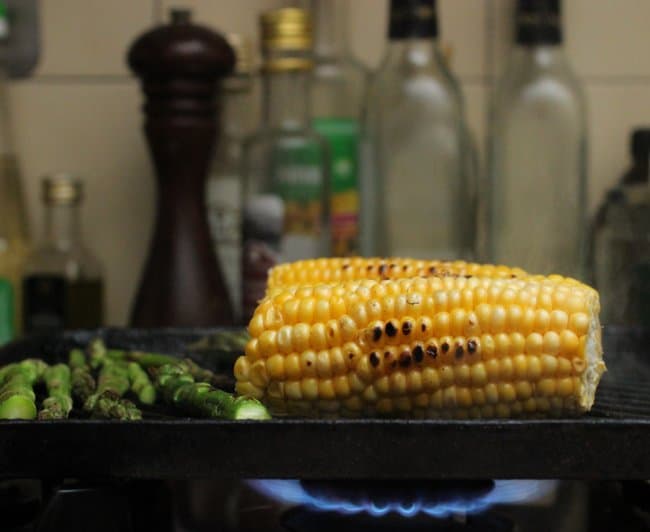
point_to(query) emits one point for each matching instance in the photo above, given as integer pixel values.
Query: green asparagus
(58, 403)
(17, 398)
(109, 405)
(178, 388)
(107, 401)
(141, 384)
(83, 383)
(156, 360)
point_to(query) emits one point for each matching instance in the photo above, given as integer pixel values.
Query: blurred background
(79, 109)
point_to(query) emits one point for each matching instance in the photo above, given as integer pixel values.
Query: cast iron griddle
(613, 441)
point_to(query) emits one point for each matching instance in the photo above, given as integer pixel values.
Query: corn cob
(316, 271)
(480, 345)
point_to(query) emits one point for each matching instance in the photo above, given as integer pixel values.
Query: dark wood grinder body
(179, 66)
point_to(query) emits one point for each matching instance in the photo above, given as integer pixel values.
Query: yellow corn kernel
(275, 367)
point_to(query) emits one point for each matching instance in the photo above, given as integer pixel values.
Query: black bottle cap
(538, 22)
(412, 19)
(640, 145)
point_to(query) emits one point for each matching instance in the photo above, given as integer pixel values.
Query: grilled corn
(421, 339)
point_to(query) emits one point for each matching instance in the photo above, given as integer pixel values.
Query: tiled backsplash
(81, 109)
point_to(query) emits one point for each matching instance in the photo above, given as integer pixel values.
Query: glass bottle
(537, 151)
(62, 285)
(621, 242)
(13, 221)
(223, 194)
(286, 182)
(420, 198)
(338, 87)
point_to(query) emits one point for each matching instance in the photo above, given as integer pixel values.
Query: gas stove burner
(302, 519)
(439, 499)
(411, 494)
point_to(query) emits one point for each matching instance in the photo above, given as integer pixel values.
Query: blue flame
(503, 492)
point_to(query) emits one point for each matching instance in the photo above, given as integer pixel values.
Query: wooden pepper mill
(179, 66)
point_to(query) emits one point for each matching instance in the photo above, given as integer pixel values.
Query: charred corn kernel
(308, 363)
(332, 336)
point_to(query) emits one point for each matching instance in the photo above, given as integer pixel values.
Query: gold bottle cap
(287, 39)
(61, 189)
(244, 57)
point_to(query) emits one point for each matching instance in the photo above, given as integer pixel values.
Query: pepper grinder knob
(179, 66)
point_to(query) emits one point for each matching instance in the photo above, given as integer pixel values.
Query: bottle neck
(331, 36)
(417, 53)
(62, 227)
(542, 56)
(286, 99)
(235, 107)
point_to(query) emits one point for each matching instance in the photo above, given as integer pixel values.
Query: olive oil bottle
(62, 285)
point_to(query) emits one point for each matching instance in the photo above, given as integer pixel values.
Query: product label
(223, 201)
(285, 224)
(6, 311)
(44, 303)
(342, 135)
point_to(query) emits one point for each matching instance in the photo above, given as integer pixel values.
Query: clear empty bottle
(537, 151)
(338, 90)
(223, 189)
(419, 198)
(285, 213)
(62, 285)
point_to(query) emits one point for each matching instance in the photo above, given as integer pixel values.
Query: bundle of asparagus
(101, 380)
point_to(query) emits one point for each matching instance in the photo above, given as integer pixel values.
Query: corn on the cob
(479, 344)
(316, 271)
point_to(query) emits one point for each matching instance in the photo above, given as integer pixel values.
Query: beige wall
(81, 110)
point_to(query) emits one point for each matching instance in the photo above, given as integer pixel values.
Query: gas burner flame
(504, 492)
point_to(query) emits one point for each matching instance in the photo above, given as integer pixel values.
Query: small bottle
(223, 194)
(62, 284)
(420, 200)
(338, 90)
(14, 242)
(537, 151)
(621, 242)
(285, 213)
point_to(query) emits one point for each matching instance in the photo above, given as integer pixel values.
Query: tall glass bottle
(338, 90)
(62, 285)
(223, 194)
(420, 201)
(537, 152)
(13, 222)
(285, 213)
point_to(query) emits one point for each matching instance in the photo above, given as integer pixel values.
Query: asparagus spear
(17, 398)
(141, 384)
(109, 405)
(156, 360)
(59, 402)
(83, 383)
(178, 388)
(107, 400)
